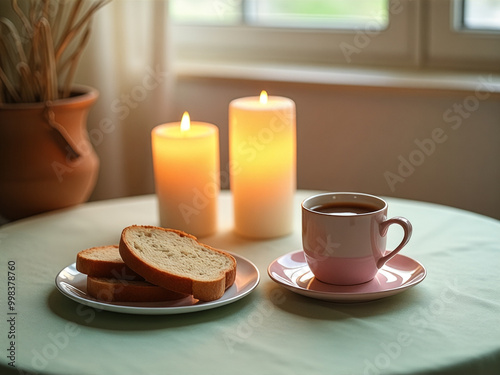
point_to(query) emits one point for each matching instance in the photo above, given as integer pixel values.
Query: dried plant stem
(6, 53)
(48, 60)
(73, 63)
(60, 14)
(45, 11)
(33, 11)
(22, 17)
(73, 32)
(10, 88)
(26, 81)
(16, 39)
(71, 21)
(38, 61)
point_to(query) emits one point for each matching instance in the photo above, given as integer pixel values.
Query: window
(396, 33)
(336, 14)
(206, 12)
(481, 15)
(453, 41)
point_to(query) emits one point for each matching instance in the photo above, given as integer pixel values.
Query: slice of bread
(104, 261)
(114, 290)
(177, 261)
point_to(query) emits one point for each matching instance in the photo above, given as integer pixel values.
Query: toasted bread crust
(114, 290)
(88, 264)
(202, 290)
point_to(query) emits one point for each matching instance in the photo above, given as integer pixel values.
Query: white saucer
(73, 285)
(396, 276)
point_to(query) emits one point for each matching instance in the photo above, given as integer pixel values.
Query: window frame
(420, 34)
(451, 45)
(394, 45)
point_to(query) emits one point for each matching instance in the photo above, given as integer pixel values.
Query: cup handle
(384, 226)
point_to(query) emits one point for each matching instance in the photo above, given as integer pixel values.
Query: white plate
(396, 276)
(73, 285)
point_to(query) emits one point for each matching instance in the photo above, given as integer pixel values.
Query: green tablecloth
(450, 323)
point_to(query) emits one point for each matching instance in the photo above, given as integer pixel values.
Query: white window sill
(343, 76)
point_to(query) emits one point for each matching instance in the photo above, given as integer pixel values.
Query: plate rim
(348, 296)
(161, 310)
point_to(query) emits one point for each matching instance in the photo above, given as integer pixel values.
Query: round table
(447, 324)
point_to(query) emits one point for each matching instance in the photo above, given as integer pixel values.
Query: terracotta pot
(46, 159)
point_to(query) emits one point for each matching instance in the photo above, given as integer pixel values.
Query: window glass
(335, 14)
(481, 14)
(206, 12)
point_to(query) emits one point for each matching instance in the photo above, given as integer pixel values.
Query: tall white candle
(262, 149)
(186, 168)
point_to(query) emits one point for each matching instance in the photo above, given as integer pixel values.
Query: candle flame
(185, 122)
(263, 97)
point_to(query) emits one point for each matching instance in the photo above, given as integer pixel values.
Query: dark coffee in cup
(345, 208)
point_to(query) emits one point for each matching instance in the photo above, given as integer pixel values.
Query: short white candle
(186, 169)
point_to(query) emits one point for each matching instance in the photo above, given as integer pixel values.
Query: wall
(440, 146)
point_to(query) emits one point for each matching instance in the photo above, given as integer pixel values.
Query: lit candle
(186, 169)
(262, 149)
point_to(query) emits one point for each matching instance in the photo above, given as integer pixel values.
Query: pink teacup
(344, 236)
